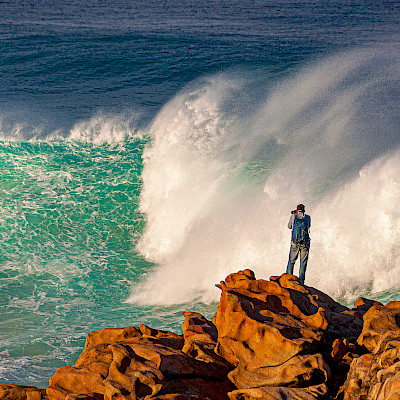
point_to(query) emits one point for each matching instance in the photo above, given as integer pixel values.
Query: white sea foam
(104, 128)
(219, 182)
(100, 128)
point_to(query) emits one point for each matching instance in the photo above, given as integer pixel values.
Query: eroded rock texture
(19, 392)
(272, 340)
(275, 332)
(376, 375)
(135, 363)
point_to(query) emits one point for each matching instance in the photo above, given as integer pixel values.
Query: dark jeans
(294, 253)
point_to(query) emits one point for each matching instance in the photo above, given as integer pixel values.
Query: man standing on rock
(300, 224)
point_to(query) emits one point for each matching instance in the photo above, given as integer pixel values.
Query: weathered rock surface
(377, 321)
(20, 392)
(274, 331)
(280, 393)
(272, 340)
(376, 375)
(138, 362)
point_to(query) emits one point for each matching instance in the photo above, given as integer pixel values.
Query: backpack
(300, 234)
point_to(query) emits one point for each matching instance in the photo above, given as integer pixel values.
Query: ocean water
(149, 149)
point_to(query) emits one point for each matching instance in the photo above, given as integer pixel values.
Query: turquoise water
(148, 150)
(69, 226)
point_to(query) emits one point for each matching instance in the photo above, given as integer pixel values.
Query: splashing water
(221, 177)
(168, 210)
(109, 199)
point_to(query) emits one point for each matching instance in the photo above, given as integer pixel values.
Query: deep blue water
(146, 149)
(62, 61)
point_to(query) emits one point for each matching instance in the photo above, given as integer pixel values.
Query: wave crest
(219, 181)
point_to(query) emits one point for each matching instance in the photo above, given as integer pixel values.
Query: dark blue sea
(150, 148)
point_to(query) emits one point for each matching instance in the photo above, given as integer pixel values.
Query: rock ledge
(271, 340)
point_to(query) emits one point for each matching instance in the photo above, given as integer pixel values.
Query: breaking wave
(231, 155)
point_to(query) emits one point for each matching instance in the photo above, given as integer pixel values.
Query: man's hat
(300, 207)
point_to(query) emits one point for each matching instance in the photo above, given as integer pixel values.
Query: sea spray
(358, 229)
(218, 185)
(106, 128)
(81, 89)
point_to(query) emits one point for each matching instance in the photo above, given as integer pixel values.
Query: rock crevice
(269, 339)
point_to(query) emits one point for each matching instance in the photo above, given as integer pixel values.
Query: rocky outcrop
(377, 321)
(20, 392)
(275, 339)
(139, 362)
(376, 375)
(270, 332)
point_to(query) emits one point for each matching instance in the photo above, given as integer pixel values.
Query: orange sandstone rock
(298, 371)
(376, 376)
(362, 305)
(266, 328)
(194, 389)
(280, 393)
(341, 348)
(197, 325)
(84, 396)
(272, 339)
(20, 392)
(200, 341)
(110, 335)
(139, 363)
(68, 380)
(377, 321)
